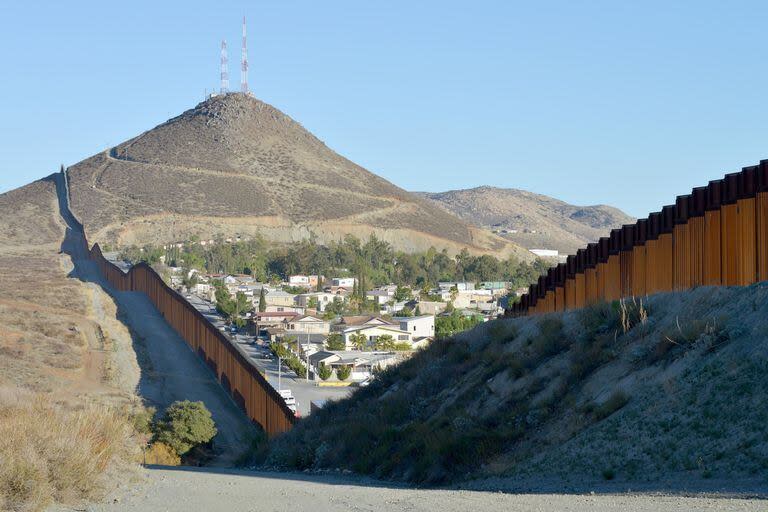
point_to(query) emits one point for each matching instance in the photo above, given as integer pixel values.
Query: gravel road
(189, 490)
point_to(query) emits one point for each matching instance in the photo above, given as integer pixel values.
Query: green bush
(324, 372)
(185, 425)
(335, 341)
(343, 372)
(142, 420)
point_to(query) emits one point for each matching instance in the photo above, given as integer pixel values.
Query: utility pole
(244, 65)
(279, 373)
(224, 68)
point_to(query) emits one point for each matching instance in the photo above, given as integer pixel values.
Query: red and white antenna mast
(224, 70)
(244, 66)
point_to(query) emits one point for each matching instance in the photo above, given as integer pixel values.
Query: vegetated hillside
(235, 165)
(557, 224)
(63, 357)
(664, 393)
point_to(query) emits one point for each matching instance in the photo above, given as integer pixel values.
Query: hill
(234, 165)
(666, 395)
(540, 222)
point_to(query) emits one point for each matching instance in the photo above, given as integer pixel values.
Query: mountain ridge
(533, 220)
(236, 165)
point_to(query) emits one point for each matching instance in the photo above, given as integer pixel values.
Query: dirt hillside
(235, 165)
(673, 393)
(541, 222)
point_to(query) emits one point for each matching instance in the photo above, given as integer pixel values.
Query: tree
(335, 341)
(324, 372)
(385, 342)
(402, 293)
(262, 301)
(343, 372)
(185, 425)
(358, 340)
(312, 303)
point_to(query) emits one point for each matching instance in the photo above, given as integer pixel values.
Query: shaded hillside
(668, 393)
(235, 165)
(541, 222)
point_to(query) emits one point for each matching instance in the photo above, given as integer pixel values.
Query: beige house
(307, 324)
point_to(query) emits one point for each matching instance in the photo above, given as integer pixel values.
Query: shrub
(615, 402)
(324, 372)
(335, 342)
(185, 425)
(549, 342)
(682, 336)
(343, 372)
(403, 346)
(161, 454)
(142, 420)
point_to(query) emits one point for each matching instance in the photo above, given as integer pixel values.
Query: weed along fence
(716, 235)
(239, 377)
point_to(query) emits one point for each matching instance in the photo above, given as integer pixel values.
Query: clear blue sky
(591, 102)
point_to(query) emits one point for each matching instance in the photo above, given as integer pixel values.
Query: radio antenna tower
(224, 70)
(244, 67)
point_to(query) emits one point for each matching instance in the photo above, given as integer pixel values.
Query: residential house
(279, 298)
(429, 307)
(459, 285)
(373, 332)
(323, 299)
(380, 297)
(263, 320)
(306, 324)
(358, 320)
(363, 364)
(304, 281)
(421, 328)
(343, 282)
(283, 309)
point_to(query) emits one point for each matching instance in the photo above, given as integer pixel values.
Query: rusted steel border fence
(232, 367)
(716, 235)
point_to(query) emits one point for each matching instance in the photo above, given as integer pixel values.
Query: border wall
(715, 236)
(232, 367)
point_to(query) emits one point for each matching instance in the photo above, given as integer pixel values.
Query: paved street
(305, 391)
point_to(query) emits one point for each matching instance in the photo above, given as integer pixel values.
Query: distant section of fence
(232, 367)
(716, 235)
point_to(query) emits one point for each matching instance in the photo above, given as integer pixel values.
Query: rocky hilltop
(534, 221)
(234, 165)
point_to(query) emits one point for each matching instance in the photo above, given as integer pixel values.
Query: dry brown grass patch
(49, 453)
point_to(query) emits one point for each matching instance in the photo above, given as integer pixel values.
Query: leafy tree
(406, 311)
(343, 372)
(359, 340)
(312, 303)
(185, 425)
(335, 341)
(324, 371)
(402, 293)
(448, 325)
(262, 300)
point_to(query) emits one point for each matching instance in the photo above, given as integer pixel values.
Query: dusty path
(186, 490)
(169, 370)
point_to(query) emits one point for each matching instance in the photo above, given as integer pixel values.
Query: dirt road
(169, 370)
(187, 490)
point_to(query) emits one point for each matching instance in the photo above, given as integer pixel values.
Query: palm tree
(359, 340)
(385, 342)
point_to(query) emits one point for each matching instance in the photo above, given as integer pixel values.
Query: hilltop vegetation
(675, 388)
(374, 262)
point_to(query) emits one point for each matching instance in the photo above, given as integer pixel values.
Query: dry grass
(50, 453)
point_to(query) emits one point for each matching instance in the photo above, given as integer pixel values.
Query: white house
(323, 299)
(343, 282)
(380, 297)
(417, 326)
(373, 332)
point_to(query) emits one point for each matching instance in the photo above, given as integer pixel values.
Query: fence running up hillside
(239, 377)
(232, 367)
(716, 235)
